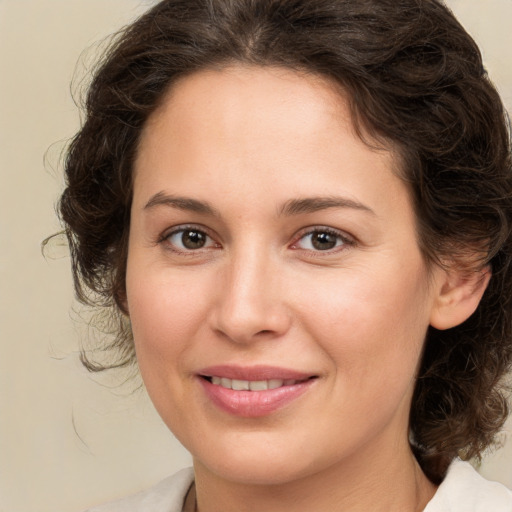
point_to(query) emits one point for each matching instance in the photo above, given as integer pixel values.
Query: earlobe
(458, 297)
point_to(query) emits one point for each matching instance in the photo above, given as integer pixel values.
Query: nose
(251, 301)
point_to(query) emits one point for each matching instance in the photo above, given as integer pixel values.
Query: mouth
(253, 385)
(254, 392)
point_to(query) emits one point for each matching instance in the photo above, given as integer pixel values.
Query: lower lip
(254, 404)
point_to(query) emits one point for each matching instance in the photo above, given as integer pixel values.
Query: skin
(245, 142)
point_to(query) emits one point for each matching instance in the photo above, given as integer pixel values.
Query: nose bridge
(250, 304)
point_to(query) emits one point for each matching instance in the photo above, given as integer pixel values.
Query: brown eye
(320, 239)
(323, 241)
(192, 239)
(189, 239)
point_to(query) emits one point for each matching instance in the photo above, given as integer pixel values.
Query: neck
(392, 481)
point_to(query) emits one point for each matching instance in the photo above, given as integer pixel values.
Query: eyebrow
(181, 203)
(315, 204)
(291, 207)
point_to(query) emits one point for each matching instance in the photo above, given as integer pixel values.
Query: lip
(254, 404)
(257, 372)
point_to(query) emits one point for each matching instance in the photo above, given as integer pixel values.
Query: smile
(252, 385)
(253, 392)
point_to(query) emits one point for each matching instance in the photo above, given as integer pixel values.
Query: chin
(249, 459)
(267, 472)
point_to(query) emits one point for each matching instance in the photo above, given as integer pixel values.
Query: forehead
(267, 96)
(256, 128)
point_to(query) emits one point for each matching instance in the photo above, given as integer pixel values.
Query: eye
(187, 239)
(322, 239)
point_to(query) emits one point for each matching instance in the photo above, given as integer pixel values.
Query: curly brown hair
(415, 80)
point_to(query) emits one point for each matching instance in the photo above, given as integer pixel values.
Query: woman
(300, 213)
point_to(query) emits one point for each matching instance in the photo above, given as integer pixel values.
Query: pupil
(323, 241)
(193, 239)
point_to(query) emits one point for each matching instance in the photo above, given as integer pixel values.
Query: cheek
(372, 325)
(166, 311)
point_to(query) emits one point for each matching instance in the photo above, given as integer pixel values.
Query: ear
(458, 295)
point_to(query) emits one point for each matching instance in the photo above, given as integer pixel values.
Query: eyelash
(166, 239)
(343, 241)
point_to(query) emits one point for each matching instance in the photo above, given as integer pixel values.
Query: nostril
(243, 322)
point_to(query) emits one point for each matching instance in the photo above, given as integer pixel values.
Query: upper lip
(254, 373)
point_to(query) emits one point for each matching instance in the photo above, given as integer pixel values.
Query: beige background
(69, 439)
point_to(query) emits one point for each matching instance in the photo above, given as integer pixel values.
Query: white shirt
(463, 490)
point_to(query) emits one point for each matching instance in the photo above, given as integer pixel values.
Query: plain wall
(69, 439)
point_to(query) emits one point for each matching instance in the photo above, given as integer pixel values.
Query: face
(278, 298)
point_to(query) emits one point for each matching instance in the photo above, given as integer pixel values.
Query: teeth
(251, 385)
(240, 385)
(275, 383)
(258, 385)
